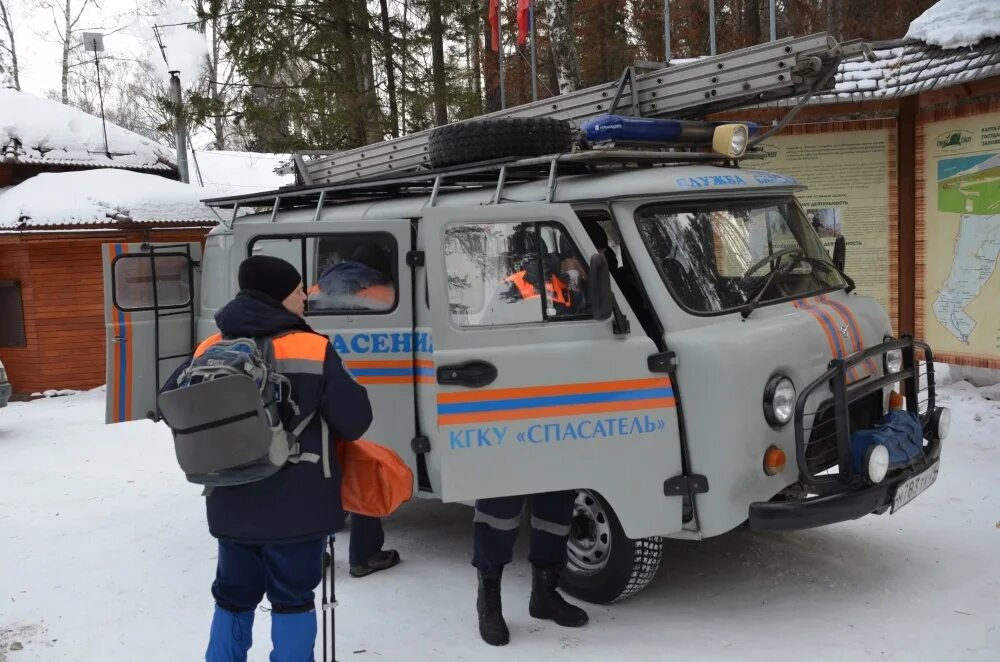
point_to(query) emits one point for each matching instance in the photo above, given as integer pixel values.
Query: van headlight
(779, 400)
(893, 361)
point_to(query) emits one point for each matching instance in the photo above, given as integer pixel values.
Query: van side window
(344, 274)
(514, 273)
(132, 282)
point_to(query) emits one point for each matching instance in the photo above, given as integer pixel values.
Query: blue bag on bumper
(899, 431)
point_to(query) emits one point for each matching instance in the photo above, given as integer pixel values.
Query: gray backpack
(223, 412)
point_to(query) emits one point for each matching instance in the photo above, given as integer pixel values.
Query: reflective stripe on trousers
(497, 520)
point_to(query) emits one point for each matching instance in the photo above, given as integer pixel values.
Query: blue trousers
(288, 574)
(367, 538)
(497, 520)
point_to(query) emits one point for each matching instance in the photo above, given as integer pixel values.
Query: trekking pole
(333, 608)
(323, 610)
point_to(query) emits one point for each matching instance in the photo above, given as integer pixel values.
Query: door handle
(471, 373)
(117, 339)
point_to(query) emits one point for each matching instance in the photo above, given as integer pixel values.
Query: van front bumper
(832, 508)
(823, 427)
(4, 394)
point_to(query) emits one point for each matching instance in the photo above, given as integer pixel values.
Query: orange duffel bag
(374, 479)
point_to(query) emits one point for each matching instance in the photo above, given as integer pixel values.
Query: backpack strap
(295, 455)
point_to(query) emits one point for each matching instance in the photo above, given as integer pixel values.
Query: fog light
(774, 461)
(876, 463)
(942, 422)
(893, 361)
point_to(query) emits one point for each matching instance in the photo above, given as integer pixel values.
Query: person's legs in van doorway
(495, 531)
(366, 554)
(551, 516)
(288, 574)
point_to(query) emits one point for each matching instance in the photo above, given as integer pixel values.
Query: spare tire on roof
(484, 140)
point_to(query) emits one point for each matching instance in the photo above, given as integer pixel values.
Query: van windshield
(720, 256)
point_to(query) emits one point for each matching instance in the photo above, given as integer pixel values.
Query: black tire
(626, 566)
(484, 140)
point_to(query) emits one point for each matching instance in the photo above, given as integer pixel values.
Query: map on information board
(962, 223)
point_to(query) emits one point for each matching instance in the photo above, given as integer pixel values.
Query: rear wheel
(603, 564)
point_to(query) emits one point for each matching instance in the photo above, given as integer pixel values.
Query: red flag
(523, 20)
(494, 21)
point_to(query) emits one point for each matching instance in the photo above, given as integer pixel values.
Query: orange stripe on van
(856, 331)
(565, 410)
(561, 389)
(384, 364)
(114, 383)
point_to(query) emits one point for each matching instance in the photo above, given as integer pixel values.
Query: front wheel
(603, 564)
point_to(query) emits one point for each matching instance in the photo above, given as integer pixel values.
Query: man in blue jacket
(271, 532)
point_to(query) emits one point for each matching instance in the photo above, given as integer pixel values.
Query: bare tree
(8, 46)
(389, 68)
(66, 15)
(564, 51)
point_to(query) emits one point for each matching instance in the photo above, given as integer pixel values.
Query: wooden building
(64, 192)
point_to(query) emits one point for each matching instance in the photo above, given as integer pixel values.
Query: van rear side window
(514, 273)
(344, 274)
(133, 282)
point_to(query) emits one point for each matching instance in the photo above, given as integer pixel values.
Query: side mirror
(840, 252)
(602, 302)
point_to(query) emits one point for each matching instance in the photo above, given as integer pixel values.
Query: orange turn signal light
(896, 401)
(774, 460)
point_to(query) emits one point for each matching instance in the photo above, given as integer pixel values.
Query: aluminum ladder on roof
(768, 72)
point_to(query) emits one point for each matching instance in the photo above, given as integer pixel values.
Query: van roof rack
(795, 66)
(496, 172)
(781, 69)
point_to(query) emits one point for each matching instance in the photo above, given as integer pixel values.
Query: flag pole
(503, 90)
(534, 59)
(711, 27)
(666, 29)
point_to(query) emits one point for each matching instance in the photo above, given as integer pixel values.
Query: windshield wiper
(754, 303)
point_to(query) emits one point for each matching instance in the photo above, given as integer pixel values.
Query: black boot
(492, 627)
(546, 602)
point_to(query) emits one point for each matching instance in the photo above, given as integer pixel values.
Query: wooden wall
(63, 297)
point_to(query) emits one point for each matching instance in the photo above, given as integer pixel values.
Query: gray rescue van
(688, 356)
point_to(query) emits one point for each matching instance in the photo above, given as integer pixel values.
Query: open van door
(150, 299)
(532, 395)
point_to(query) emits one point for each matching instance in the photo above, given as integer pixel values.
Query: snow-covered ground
(104, 555)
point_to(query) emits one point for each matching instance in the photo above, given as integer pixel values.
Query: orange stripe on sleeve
(301, 346)
(207, 342)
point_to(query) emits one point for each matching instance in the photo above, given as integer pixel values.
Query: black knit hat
(271, 275)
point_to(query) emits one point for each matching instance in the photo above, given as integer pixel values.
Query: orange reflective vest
(555, 290)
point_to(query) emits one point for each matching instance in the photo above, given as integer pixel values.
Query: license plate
(909, 489)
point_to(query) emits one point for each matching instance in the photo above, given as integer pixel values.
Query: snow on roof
(233, 173)
(957, 23)
(99, 197)
(36, 130)
(907, 69)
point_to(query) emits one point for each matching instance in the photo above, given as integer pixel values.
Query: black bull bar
(843, 494)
